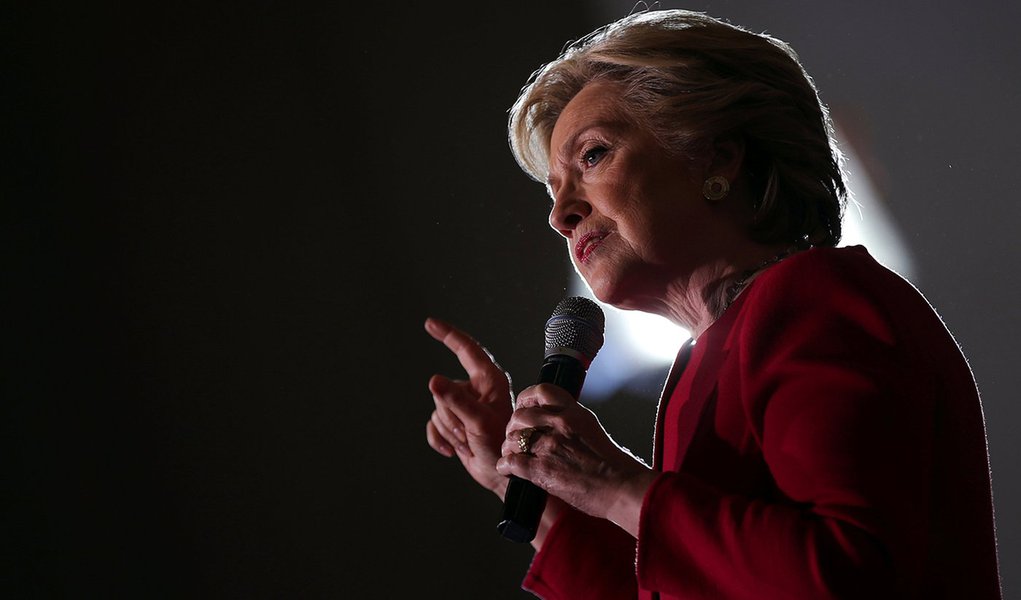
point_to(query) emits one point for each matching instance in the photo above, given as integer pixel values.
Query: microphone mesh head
(576, 328)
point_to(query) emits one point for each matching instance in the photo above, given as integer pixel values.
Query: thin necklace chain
(734, 289)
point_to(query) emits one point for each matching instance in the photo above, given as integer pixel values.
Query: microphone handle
(524, 501)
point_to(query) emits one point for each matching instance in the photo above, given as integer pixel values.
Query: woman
(820, 436)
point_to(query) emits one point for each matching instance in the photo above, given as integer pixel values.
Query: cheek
(641, 232)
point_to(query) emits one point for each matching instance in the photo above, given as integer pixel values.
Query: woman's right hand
(470, 417)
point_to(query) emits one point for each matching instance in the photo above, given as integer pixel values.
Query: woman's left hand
(571, 456)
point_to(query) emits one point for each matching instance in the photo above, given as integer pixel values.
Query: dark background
(224, 226)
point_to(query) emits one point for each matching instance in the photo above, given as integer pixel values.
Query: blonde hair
(691, 79)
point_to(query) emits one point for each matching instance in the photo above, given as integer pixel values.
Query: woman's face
(634, 217)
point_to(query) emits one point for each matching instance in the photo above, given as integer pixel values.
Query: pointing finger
(476, 360)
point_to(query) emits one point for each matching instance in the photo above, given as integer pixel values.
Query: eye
(593, 155)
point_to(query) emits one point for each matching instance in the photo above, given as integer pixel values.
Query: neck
(698, 302)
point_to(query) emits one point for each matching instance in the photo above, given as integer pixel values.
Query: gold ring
(524, 438)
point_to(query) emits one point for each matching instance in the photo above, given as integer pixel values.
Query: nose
(569, 209)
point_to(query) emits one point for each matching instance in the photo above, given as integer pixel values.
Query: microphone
(574, 334)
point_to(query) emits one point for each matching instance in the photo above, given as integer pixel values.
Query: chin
(608, 292)
(618, 283)
(621, 294)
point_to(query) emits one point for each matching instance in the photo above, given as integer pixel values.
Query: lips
(588, 244)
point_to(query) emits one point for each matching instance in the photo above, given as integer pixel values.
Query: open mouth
(588, 244)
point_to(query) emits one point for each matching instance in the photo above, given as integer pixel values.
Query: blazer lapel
(703, 388)
(680, 362)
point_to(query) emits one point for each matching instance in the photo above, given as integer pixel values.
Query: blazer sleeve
(842, 415)
(584, 558)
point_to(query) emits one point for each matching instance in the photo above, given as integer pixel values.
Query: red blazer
(824, 440)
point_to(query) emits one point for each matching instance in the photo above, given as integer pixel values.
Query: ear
(727, 158)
